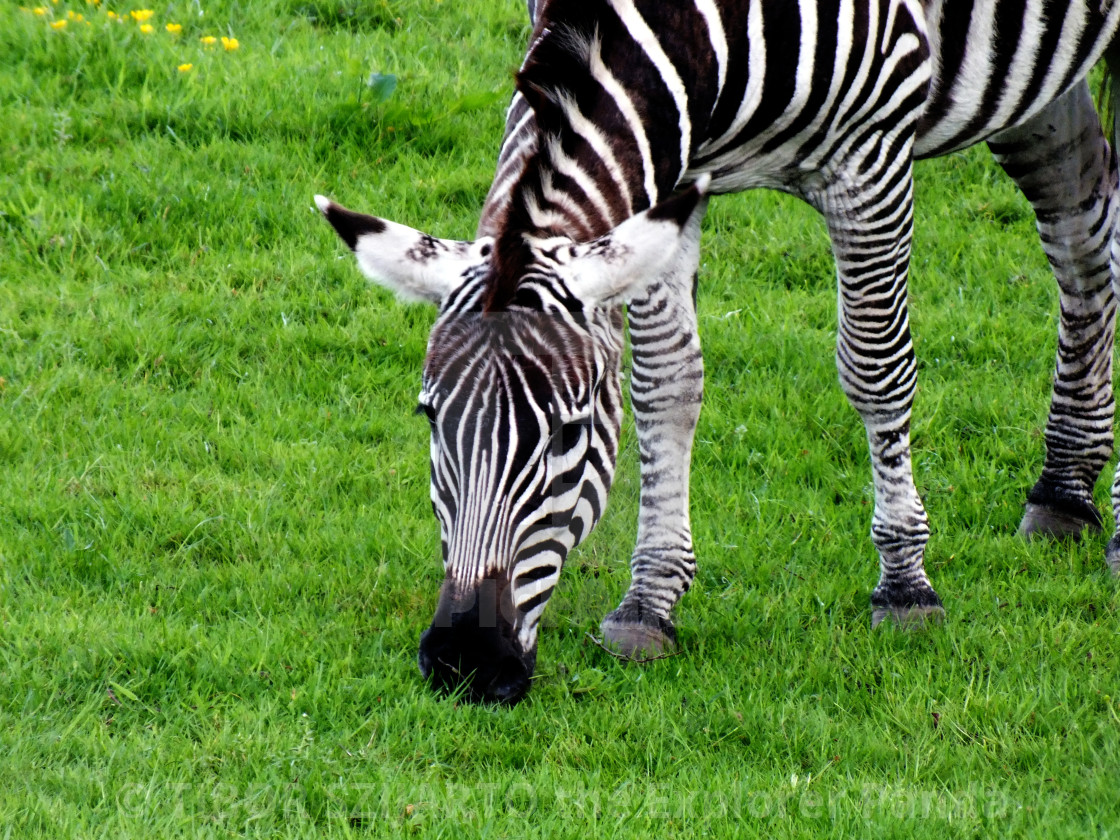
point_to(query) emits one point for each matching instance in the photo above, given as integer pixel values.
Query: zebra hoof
(908, 618)
(638, 640)
(1112, 554)
(1059, 523)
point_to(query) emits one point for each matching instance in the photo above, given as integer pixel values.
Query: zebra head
(524, 404)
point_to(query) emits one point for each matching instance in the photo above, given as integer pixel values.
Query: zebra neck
(578, 182)
(602, 114)
(566, 190)
(553, 201)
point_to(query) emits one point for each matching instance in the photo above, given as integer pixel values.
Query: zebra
(628, 115)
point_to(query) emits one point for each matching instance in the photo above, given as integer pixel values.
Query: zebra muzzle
(471, 647)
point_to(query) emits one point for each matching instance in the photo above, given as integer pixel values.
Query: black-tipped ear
(348, 224)
(414, 265)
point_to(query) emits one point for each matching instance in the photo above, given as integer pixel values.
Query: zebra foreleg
(1064, 166)
(870, 225)
(666, 387)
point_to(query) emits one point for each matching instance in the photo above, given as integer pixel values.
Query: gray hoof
(1044, 521)
(908, 618)
(637, 641)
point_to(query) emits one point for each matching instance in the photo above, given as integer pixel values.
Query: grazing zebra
(628, 114)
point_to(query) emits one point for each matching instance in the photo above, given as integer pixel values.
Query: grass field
(216, 548)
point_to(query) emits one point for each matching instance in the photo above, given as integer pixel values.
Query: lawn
(216, 547)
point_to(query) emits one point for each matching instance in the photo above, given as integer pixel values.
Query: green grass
(216, 549)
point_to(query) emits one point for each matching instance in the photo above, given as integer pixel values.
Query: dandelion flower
(230, 44)
(174, 28)
(141, 15)
(58, 24)
(147, 28)
(112, 15)
(208, 40)
(185, 68)
(40, 10)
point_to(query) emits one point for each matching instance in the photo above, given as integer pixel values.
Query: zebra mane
(556, 70)
(554, 75)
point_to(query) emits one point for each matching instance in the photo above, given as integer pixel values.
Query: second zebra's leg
(1065, 168)
(666, 387)
(870, 224)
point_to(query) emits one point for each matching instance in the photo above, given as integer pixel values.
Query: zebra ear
(412, 264)
(621, 263)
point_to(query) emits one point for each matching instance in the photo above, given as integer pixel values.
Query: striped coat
(628, 116)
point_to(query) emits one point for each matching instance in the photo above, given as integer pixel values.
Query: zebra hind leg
(666, 387)
(1065, 168)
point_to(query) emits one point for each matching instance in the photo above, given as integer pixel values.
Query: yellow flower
(174, 28)
(40, 10)
(141, 15)
(74, 16)
(230, 44)
(146, 28)
(208, 40)
(58, 24)
(185, 68)
(112, 15)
